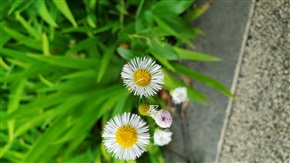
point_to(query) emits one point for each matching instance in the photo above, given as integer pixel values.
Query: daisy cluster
(127, 135)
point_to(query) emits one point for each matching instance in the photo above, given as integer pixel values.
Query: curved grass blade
(14, 101)
(64, 9)
(44, 13)
(105, 61)
(202, 78)
(195, 56)
(31, 30)
(171, 82)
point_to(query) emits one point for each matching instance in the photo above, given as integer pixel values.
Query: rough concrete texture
(258, 129)
(195, 136)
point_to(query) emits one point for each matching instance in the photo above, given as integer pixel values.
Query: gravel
(258, 129)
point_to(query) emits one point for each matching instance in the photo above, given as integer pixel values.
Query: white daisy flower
(179, 95)
(126, 136)
(148, 110)
(163, 118)
(162, 137)
(142, 76)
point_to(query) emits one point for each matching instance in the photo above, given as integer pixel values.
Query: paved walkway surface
(197, 134)
(258, 128)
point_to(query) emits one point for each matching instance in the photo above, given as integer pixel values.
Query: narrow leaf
(202, 78)
(64, 9)
(45, 140)
(15, 5)
(105, 61)
(163, 50)
(29, 42)
(191, 15)
(175, 6)
(68, 62)
(165, 26)
(32, 31)
(164, 62)
(14, 101)
(171, 82)
(44, 13)
(195, 56)
(45, 45)
(32, 123)
(125, 53)
(84, 44)
(4, 39)
(3, 64)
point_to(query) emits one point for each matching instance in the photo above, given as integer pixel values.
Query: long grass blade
(14, 101)
(44, 13)
(64, 9)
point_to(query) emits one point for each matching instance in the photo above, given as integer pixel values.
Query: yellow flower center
(143, 109)
(142, 77)
(126, 136)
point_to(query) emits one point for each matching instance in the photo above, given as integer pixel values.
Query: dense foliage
(60, 71)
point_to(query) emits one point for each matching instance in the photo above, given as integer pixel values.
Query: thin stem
(139, 9)
(122, 15)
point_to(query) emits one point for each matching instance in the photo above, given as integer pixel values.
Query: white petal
(112, 145)
(148, 64)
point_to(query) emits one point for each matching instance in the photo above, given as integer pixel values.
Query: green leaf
(45, 44)
(32, 123)
(54, 14)
(88, 119)
(32, 31)
(84, 29)
(84, 44)
(171, 82)
(25, 6)
(191, 15)
(3, 64)
(195, 56)
(91, 19)
(138, 11)
(92, 4)
(19, 55)
(64, 9)
(174, 6)
(14, 101)
(36, 106)
(57, 129)
(44, 13)
(125, 53)
(97, 154)
(50, 153)
(45, 81)
(202, 78)
(164, 62)
(15, 5)
(162, 49)
(67, 62)
(165, 26)
(66, 107)
(119, 106)
(74, 85)
(4, 39)
(45, 140)
(105, 61)
(104, 152)
(81, 74)
(73, 146)
(29, 42)
(13, 156)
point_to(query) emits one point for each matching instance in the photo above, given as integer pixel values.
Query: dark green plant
(60, 71)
